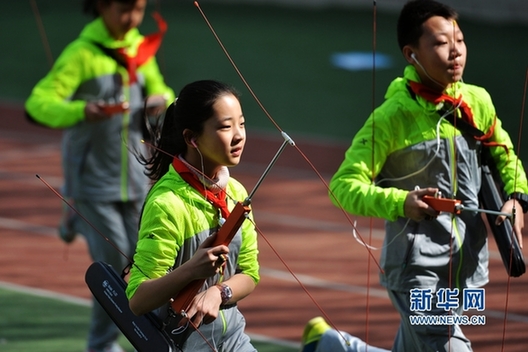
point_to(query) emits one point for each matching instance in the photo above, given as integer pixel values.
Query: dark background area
(283, 52)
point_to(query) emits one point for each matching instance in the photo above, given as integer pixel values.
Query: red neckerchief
(218, 199)
(467, 115)
(147, 49)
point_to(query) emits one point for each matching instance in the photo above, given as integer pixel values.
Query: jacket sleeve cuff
(522, 199)
(401, 196)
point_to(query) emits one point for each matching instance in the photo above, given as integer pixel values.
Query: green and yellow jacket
(404, 145)
(97, 161)
(176, 219)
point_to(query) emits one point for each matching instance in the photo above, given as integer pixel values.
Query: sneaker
(67, 231)
(312, 333)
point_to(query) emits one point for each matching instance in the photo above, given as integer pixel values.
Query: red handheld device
(224, 236)
(112, 109)
(453, 206)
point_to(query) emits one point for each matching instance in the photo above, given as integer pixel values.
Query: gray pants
(334, 341)
(425, 338)
(225, 334)
(409, 338)
(118, 222)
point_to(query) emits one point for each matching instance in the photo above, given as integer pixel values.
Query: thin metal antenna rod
(287, 140)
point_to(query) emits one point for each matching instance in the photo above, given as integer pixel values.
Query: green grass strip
(38, 320)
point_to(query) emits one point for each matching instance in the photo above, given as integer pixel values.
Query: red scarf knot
(217, 199)
(147, 49)
(436, 97)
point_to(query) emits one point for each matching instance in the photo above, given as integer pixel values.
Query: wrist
(522, 198)
(225, 293)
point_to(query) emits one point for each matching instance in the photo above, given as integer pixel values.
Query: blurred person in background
(99, 91)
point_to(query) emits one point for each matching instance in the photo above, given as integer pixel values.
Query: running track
(294, 215)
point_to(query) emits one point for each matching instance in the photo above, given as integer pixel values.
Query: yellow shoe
(314, 329)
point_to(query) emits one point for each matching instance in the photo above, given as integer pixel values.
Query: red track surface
(295, 216)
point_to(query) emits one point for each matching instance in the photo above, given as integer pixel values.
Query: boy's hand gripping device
(455, 206)
(506, 240)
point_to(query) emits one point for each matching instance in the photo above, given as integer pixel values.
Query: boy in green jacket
(408, 149)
